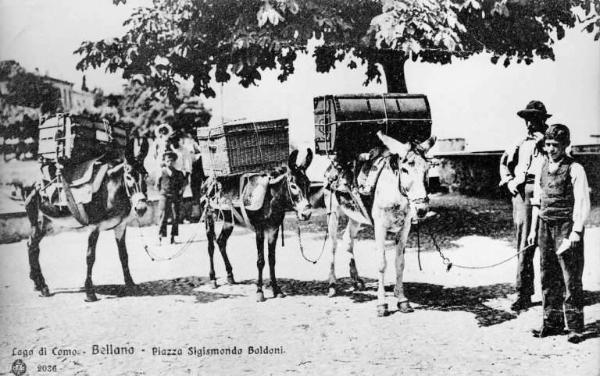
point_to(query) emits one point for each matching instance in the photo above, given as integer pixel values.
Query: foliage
(143, 108)
(27, 89)
(195, 39)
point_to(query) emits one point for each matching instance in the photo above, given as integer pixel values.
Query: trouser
(169, 207)
(561, 276)
(522, 221)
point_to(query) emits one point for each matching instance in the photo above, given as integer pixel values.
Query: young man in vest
(561, 201)
(517, 167)
(171, 185)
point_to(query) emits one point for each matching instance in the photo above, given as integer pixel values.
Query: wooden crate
(78, 138)
(241, 147)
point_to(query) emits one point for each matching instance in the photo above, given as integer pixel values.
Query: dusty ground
(462, 324)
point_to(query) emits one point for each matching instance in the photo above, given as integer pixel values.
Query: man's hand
(575, 238)
(531, 237)
(512, 187)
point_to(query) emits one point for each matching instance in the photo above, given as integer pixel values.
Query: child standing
(171, 185)
(562, 203)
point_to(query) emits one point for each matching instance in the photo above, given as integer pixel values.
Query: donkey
(118, 199)
(287, 189)
(400, 196)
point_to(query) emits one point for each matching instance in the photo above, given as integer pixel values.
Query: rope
(175, 255)
(449, 264)
(258, 142)
(324, 239)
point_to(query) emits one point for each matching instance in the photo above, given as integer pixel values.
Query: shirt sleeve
(507, 157)
(537, 184)
(581, 192)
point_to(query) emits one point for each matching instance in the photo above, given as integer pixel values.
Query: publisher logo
(18, 368)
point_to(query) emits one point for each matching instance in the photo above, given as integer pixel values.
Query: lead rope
(324, 240)
(449, 264)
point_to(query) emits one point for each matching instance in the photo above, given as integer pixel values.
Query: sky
(473, 98)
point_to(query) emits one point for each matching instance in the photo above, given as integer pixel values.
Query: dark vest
(557, 197)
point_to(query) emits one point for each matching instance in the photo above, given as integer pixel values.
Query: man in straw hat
(517, 172)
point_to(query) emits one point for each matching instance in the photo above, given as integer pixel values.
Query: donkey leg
(120, 233)
(210, 235)
(91, 258)
(222, 243)
(332, 235)
(348, 245)
(260, 264)
(272, 244)
(403, 303)
(380, 232)
(33, 245)
(33, 248)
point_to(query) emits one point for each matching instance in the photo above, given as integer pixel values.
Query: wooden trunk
(75, 139)
(346, 125)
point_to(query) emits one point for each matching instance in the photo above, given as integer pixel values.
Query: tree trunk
(393, 68)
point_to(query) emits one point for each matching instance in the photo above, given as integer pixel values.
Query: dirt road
(462, 324)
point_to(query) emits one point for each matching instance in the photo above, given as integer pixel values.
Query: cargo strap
(77, 209)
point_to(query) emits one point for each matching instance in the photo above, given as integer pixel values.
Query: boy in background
(171, 184)
(561, 201)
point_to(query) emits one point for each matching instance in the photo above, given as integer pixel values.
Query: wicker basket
(236, 148)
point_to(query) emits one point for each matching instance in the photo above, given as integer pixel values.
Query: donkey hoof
(260, 297)
(230, 280)
(44, 292)
(332, 292)
(404, 307)
(90, 298)
(382, 310)
(278, 294)
(214, 284)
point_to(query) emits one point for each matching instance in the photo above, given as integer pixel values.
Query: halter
(136, 184)
(286, 178)
(415, 149)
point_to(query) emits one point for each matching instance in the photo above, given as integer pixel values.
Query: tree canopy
(176, 40)
(142, 108)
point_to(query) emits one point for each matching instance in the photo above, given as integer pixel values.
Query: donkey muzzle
(139, 204)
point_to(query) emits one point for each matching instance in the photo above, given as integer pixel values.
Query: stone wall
(478, 174)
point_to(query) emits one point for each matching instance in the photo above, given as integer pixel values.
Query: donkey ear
(394, 146)
(427, 144)
(292, 159)
(308, 159)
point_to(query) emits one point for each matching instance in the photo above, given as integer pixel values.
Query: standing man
(561, 200)
(517, 172)
(171, 185)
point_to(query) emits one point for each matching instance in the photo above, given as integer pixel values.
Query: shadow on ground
(427, 296)
(187, 286)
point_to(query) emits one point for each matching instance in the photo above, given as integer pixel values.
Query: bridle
(130, 180)
(416, 150)
(285, 179)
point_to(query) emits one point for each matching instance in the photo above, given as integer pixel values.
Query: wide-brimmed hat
(534, 109)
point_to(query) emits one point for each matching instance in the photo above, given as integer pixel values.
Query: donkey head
(127, 180)
(413, 167)
(295, 184)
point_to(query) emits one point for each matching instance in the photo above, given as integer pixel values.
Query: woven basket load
(241, 147)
